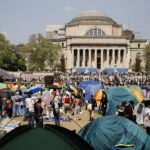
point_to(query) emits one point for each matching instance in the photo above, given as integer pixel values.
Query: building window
(139, 45)
(95, 32)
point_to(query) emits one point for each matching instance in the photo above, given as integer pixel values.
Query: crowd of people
(52, 103)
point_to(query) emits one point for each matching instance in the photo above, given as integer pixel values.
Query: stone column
(124, 58)
(78, 58)
(95, 58)
(89, 61)
(102, 59)
(83, 62)
(118, 62)
(128, 58)
(73, 58)
(113, 58)
(107, 59)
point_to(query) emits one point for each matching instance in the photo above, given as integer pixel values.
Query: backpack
(9, 105)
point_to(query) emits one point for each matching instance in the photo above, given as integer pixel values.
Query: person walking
(92, 101)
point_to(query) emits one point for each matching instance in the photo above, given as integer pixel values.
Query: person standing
(104, 103)
(9, 107)
(56, 109)
(38, 113)
(30, 106)
(18, 98)
(128, 111)
(146, 117)
(92, 101)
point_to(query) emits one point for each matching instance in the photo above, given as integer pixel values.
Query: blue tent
(107, 132)
(90, 87)
(84, 84)
(116, 96)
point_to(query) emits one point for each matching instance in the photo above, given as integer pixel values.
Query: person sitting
(119, 111)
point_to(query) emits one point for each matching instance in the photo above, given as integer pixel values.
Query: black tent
(49, 137)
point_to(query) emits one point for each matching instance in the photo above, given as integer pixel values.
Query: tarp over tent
(116, 96)
(50, 137)
(90, 87)
(107, 132)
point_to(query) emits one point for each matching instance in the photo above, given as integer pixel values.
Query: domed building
(94, 40)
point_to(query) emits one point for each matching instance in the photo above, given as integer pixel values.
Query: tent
(84, 84)
(98, 96)
(90, 87)
(49, 137)
(107, 132)
(116, 96)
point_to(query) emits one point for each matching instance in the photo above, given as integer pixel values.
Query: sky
(21, 18)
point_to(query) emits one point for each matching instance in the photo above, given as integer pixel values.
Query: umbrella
(2, 86)
(57, 84)
(52, 87)
(7, 93)
(34, 89)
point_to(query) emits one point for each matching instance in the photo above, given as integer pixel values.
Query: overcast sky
(20, 18)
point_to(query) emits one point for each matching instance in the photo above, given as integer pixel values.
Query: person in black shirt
(128, 111)
(104, 103)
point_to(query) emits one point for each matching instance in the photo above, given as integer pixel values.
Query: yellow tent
(139, 97)
(12, 87)
(98, 96)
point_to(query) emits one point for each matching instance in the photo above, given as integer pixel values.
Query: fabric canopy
(116, 96)
(86, 70)
(49, 137)
(98, 96)
(107, 132)
(115, 70)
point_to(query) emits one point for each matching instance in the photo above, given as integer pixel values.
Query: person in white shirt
(146, 116)
(30, 101)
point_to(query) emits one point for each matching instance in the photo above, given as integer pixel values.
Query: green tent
(134, 87)
(116, 96)
(49, 137)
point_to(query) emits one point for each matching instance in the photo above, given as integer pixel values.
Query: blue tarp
(106, 132)
(86, 70)
(114, 70)
(116, 96)
(90, 87)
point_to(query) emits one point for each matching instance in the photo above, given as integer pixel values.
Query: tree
(9, 58)
(147, 57)
(41, 52)
(137, 66)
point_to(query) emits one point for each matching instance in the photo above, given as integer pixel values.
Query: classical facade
(94, 40)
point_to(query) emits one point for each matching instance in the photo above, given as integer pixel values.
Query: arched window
(95, 32)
